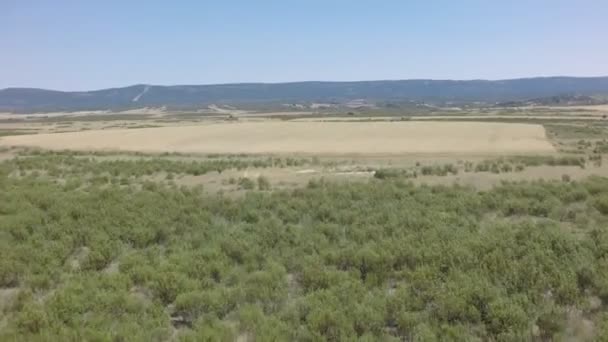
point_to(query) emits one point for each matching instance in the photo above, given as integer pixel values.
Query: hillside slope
(192, 96)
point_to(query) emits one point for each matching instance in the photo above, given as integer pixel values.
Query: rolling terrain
(316, 222)
(385, 93)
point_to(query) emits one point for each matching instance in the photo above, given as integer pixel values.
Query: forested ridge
(194, 96)
(379, 260)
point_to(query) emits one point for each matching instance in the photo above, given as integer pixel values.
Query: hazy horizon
(78, 46)
(307, 81)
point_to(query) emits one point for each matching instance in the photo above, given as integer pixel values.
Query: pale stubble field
(312, 138)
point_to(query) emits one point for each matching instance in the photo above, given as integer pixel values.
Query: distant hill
(557, 100)
(194, 96)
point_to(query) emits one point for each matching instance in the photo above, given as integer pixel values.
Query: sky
(85, 45)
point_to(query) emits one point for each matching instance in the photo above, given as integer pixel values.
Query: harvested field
(322, 138)
(487, 117)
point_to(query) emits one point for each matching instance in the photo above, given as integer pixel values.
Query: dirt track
(323, 138)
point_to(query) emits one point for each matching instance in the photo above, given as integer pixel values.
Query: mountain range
(242, 94)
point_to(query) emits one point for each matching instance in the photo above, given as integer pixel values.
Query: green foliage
(209, 330)
(246, 183)
(505, 164)
(102, 170)
(601, 146)
(601, 204)
(218, 302)
(263, 183)
(9, 271)
(565, 160)
(388, 173)
(426, 170)
(31, 320)
(378, 260)
(393, 173)
(439, 170)
(167, 285)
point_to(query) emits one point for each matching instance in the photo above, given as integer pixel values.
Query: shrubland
(519, 163)
(379, 260)
(66, 164)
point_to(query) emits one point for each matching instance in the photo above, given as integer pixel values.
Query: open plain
(323, 138)
(229, 227)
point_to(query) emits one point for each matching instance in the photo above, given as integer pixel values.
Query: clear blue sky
(90, 44)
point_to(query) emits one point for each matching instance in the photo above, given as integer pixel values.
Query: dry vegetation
(307, 138)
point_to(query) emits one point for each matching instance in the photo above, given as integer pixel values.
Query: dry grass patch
(322, 138)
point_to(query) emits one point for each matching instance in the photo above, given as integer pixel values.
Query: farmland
(278, 230)
(260, 171)
(338, 138)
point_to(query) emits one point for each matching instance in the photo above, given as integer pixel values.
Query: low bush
(377, 260)
(601, 204)
(246, 183)
(439, 170)
(263, 183)
(388, 173)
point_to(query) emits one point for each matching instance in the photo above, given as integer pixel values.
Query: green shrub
(263, 183)
(372, 261)
(385, 173)
(469, 167)
(482, 167)
(439, 170)
(168, 285)
(32, 319)
(427, 170)
(209, 329)
(246, 183)
(9, 272)
(601, 204)
(191, 305)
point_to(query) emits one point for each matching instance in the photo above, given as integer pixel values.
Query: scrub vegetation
(77, 164)
(375, 260)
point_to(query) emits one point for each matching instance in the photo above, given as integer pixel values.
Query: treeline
(497, 165)
(74, 164)
(384, 260)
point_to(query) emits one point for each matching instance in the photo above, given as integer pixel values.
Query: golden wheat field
(323, 138)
